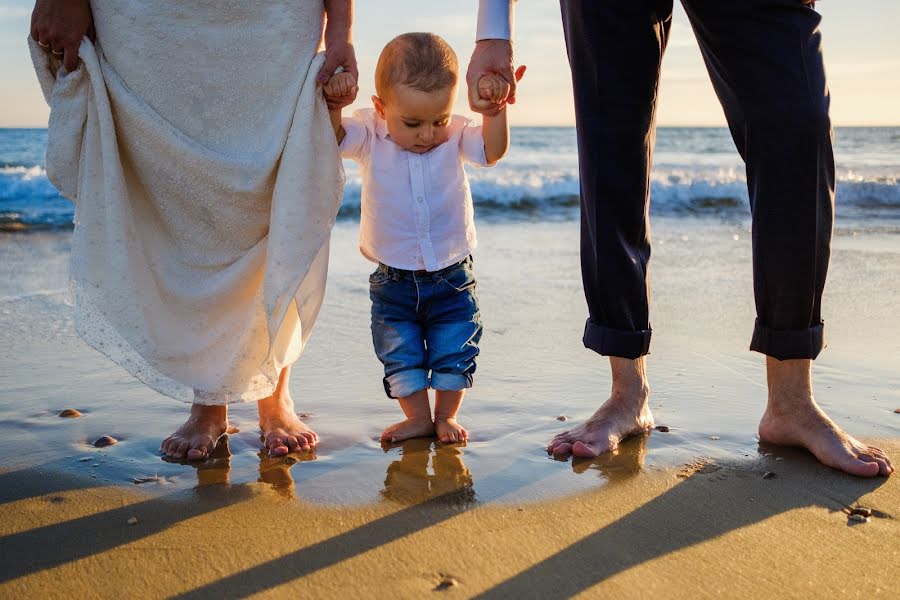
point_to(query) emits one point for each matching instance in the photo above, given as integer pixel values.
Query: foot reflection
(624, 463)
(215, 469)
(409, 481)
(276, 470)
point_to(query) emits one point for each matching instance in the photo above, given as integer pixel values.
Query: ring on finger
(42, 44)
(57, 52)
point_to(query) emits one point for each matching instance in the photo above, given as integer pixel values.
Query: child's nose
(427, 134)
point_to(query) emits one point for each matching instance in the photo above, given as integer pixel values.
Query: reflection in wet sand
(215, 470)
(408, 480)
(276, 471)
(626, 462)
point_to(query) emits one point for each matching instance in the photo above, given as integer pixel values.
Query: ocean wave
(29, 201)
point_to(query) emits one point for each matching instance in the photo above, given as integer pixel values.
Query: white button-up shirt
(495, 20)
(416, 211)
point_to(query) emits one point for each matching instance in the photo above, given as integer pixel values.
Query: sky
(861, 46)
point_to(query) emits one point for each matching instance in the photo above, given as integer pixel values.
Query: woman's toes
(181, 450)
(198, 453)
(583, 450)
(561, 449)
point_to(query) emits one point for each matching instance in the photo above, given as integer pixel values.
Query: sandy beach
(683, 513)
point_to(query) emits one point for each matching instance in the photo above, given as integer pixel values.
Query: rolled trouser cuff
(403, 384)
(451, 382)
(787, 344)
(616, 342)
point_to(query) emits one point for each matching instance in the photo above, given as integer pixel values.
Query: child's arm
(495, 129)
(340, 86)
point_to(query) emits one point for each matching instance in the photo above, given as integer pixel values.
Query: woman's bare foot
(449, 431)
(793, 418)
(408, 429)
(626, 413)
(282, 429)
(196, 439)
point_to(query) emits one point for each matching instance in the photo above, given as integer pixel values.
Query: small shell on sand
(69, 413)
(663, 428)
(770, 475)
(562, 418)
(713, 437)
(132, 521)
(304, 415)
(446, 583)
(104, 441)
(861, 511)
(858, 518)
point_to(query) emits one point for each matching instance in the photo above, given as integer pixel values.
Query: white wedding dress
(201, 159)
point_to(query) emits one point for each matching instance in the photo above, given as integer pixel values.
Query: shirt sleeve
(471, 145)
(495, 20)
(356, 138)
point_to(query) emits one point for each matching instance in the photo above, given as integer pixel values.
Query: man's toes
(309, 438)
(292, 444)
(584, 450)
(463, 434)
(276, 446)
(858, 466)
(883, 466)
(562, 449)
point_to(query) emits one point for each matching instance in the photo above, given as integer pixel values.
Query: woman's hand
(341, 87)
(339, 50)
(59, 26)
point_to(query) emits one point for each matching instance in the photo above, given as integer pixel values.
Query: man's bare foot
(408, 429)
(282, 429)
(196, 439)
(793, 418)
(449, 431)
(626, 413)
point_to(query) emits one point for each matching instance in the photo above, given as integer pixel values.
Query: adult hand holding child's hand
(495, 89)
(341, 89)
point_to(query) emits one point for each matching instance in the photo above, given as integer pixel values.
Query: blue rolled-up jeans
(425, 327)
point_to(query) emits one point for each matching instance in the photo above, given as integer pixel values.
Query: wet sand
(714, 529)
(681, 513)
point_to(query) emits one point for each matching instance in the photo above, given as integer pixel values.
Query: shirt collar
(381, 128)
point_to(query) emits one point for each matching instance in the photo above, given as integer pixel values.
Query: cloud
(14, 12)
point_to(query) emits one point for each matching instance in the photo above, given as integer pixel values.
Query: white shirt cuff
(495, 20)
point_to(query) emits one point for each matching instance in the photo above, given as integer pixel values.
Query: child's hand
(496, 89)
(341, 87)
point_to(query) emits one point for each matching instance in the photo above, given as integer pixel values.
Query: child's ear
(379, 106)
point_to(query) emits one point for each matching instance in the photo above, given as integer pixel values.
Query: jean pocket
(461, 278)
(379, 277)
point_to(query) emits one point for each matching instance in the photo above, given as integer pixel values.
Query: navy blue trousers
(765, 61)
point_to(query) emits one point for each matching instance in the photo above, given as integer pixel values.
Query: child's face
(417, 121)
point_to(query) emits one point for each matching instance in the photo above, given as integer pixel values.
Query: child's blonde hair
(423, 61)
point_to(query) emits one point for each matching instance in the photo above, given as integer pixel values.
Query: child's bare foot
(449, 431)
(446, 405)
(410, 428)
(196, 439)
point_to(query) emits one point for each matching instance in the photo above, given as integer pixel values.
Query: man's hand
(341, 89)
(490, 56)
(59, 26)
